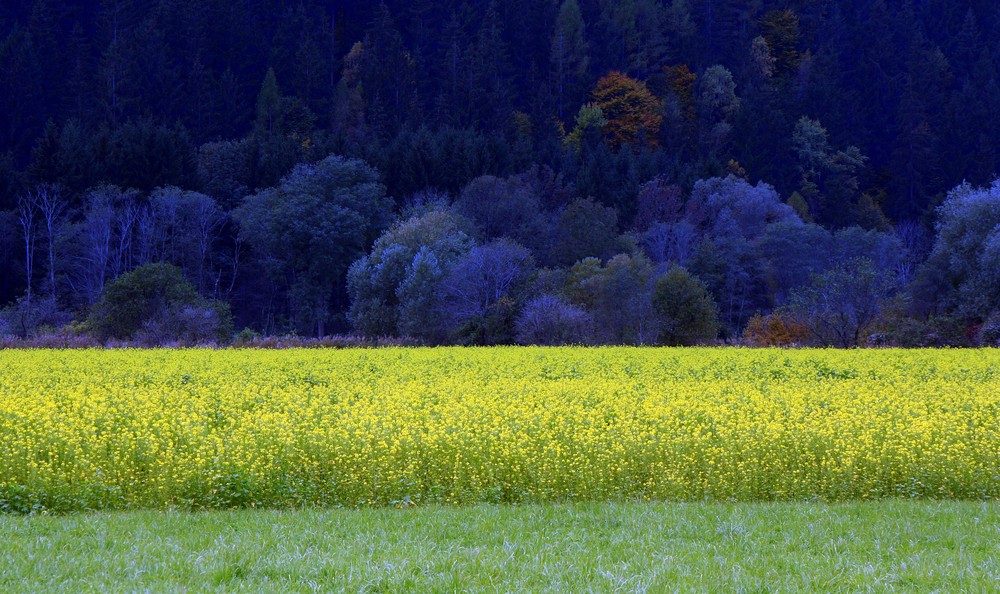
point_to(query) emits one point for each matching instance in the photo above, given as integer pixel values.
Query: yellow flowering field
(399, 426)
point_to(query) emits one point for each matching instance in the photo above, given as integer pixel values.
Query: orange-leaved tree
(680, 81)
(780, 30)
(632, 112)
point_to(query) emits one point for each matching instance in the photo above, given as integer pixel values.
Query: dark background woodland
(593, 171)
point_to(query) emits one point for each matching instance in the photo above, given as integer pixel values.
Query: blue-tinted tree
(310, 228)
(968, 244)
(482, 290)
(396, 288)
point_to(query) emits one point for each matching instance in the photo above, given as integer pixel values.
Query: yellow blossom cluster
(205, 428)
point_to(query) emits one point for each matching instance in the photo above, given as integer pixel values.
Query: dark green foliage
(144, 155)
(830, 178)
(157, 299)
(570, 57)
(617, 296)
(226, 170)
(780, 29)
(585, 230)
(507, 208)
(268, 104)
(138, 154)
(492, 327)
(685, 309)
(308, 230)
(446, 159)
(911, 86)
(930, 332)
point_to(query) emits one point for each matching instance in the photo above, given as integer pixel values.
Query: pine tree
(268, 104)
(491, 91)
(117, 22)
(570, 56)
(387, 70)
(681, 30)
(780, 29)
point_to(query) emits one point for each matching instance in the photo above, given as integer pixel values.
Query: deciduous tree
(685, 310)
(633, 113)
(841, 305)
(309, 229)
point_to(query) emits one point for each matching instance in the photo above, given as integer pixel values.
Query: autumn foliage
(774, 329)
(632, 111)
(680, 81)
(780, 29)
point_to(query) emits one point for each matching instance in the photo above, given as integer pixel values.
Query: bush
(494, 326)
(156, 304)
(245, 337)
(549, 320)
(189, 325)
(774, 329)
(941, 331)
(29, 319)
(248, 339)
(989, 332)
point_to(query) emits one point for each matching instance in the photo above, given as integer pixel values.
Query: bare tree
(97, 230)
(916, 244)
(29, 230)
(181, 228)
(146, 236)
(47, 199)
(667, 243)
(126, 217)
(234, 262)
(164, 212)
(207, 225)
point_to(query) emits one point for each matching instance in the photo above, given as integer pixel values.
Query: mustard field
(197, 429)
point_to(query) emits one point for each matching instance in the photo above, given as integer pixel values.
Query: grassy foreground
(889, 545)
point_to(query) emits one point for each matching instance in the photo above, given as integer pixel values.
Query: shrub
(941, 331)
(190, 324)
(155, 303)
(774, 329)
(494, 326)
(550, 320)
(989, 332)
(28, 319)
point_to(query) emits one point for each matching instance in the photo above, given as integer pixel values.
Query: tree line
(491, 172)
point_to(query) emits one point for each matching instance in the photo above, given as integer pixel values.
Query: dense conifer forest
(486, 172)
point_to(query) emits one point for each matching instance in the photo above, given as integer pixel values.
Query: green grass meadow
(887, 546)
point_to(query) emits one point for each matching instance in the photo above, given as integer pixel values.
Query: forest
(528, 171)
